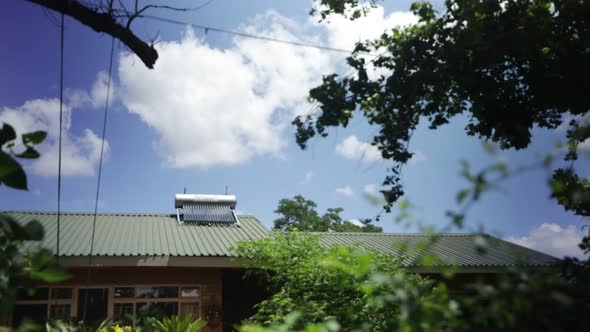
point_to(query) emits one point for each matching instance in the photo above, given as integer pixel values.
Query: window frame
(134, 300)
(73, 301)
(50, 301)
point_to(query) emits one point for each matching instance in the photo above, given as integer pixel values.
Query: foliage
(350, 8)
(355, 288)
(22, 267)
(346, 289)
(11, 172)
(19, 266)
(508, 66)
(300, 214)
(176, 323)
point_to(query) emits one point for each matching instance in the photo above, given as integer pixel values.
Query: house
(158, 264)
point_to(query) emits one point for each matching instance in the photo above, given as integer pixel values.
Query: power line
(248, 35)
(104, 129)
(61, 103)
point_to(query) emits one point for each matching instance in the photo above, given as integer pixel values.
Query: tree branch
(103, 22)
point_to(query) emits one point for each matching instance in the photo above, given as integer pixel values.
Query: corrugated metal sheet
(161, 235)
(141, 234)
(451, 249)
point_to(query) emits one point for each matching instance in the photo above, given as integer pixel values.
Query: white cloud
(371, 189)
(552, 239)
(96, 97)
(352, 148)
(213, 106)
(344, 33)
(98, 93)
(308, 177)
(80, 153)
(417, 157)
(356, 222)
(345, 191)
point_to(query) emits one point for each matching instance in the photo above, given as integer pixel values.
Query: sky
(215, 113)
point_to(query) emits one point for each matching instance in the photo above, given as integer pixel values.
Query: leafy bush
(358, 289)
(177, 323)
(348, 289)
(21, 266)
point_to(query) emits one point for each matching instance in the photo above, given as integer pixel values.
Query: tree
(20, 266)
(113, 19)
(347, 289)
(507, 65)
(300, 214)
(340, 284)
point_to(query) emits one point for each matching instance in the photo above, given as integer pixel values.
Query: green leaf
(7, 133)
(7, 164)
(30, 153)
(50, 274)
(34, 231)
(11, 173)
(34, 138)
(462, 195)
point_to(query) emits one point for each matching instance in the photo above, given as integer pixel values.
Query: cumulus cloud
(355, 149)
(344, 33)
(417, 157)
(95, 97)
(552, 239)
(212, 106)
(371, 189)
(356, 222)
(352, 148)
(345, 191)
(80, 153)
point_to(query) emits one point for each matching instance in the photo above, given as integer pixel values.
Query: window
(156, 309)
(37, 313)
(124, 292)
(157, 292)
(33, 294)
(61, 293)
(155, 301)
(123, 313)
(60, 312)
(39, 305)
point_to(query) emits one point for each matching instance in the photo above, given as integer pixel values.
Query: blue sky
(216, 111)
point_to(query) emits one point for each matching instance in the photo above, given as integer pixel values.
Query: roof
(458, 249)
(126, 234)
(140, 234)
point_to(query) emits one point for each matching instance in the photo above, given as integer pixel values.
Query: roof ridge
(399, 233)
(90, 213)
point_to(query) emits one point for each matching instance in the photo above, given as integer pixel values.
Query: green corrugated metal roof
(160, 235)
(452, 249)
(140, 234)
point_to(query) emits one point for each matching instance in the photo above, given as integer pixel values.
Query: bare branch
(103, 22)
(140, 11)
